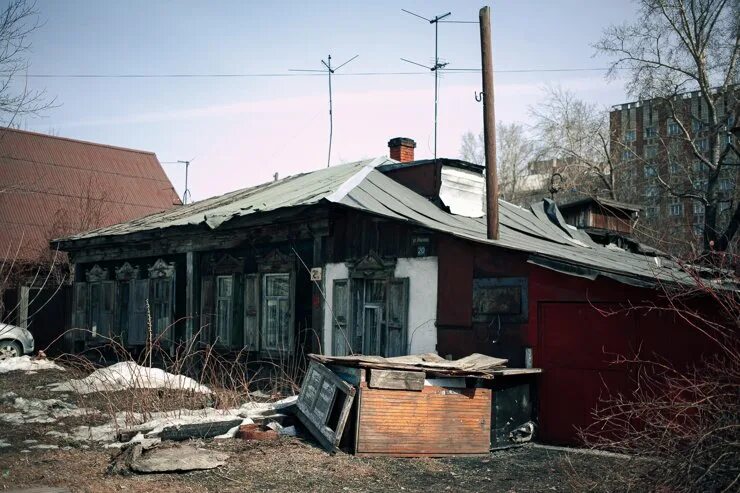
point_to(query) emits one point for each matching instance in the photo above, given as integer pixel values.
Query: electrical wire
(304, 74)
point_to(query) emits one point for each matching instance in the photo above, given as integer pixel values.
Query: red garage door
(577, 350)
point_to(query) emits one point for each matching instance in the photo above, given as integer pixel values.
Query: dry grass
(233, 378)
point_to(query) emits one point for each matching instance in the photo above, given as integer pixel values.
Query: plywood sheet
(435, 422)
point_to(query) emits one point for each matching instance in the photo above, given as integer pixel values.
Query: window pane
(223, 320)
(271, 323)
(284, 314)
(374, 291)
(277, 285)
(224, 286)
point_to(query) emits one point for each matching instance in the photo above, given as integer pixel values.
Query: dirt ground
(285, 465)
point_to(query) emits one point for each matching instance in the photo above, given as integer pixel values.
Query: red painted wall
(571, 340)
(422, 179)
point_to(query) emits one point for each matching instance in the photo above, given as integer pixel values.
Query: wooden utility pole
(489, 122)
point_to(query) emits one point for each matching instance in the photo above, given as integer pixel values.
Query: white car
(15, 341)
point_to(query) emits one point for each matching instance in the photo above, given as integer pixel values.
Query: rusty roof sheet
(539, 230)
(52, 186)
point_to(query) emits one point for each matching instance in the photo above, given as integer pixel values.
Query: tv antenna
(329, 70)
(435, 68)
(186, 194)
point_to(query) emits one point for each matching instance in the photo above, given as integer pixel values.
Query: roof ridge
(79, 141)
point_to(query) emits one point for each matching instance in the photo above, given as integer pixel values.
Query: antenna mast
(329, 71)
(186, 193)
(434, 68)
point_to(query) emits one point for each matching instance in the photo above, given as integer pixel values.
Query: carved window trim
(372, 266)
(161, 269)
(127, 272)
(276, 262)
(96, 274)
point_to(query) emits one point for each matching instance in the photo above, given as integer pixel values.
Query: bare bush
(681, 424)
(233, 379)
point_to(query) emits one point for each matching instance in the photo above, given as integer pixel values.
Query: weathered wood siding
(435, 422)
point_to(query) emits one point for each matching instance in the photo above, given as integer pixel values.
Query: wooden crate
(433, 422)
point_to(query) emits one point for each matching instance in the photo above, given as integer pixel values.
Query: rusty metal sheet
(53, 186)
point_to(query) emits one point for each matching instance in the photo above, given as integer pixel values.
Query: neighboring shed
(53, 186)
(600, 215)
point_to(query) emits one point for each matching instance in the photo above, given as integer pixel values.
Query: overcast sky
(241, 130)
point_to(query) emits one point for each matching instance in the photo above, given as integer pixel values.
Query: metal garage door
(578, 347)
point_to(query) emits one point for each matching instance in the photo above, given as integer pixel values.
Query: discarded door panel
(324, 404)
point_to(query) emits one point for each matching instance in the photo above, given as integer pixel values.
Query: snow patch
(27, 364)
(39, 410)
(44, 446)
(128, 375)
(152, 424)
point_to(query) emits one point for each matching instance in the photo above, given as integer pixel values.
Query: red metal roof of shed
(51, 186)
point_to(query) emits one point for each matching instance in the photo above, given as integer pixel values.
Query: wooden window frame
(224, 334)
(503, 282)
(290, 298)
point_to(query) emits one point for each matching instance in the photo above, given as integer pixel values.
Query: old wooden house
(52, 186)
(379, 257)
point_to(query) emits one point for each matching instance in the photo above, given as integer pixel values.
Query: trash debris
(523, 433)
(256, 432)
(197, 430)
(128, 375)
(181, 458)
(398, 412)
(290, 431)
(27, 364)
(178, 459)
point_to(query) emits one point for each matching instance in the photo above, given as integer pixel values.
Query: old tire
(10, 349)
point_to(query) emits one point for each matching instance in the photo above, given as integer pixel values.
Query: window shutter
(79, 315)
(123, 309)
(251, 312)
(237, 308)
(207, 309)
(107, 308)
(224, 307)
(137, 323)
(397, 317)
(277, 323)
(340, 317)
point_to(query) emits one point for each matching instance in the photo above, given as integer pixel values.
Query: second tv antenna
(435, 68)
(329, 70)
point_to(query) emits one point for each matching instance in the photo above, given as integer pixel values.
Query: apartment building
(657, 168)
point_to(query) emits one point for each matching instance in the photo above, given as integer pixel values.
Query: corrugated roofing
(539, 231)
(50, 186)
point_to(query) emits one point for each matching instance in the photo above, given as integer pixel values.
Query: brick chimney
(402, 149)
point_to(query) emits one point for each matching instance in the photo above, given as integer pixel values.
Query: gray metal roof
(540, 230)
